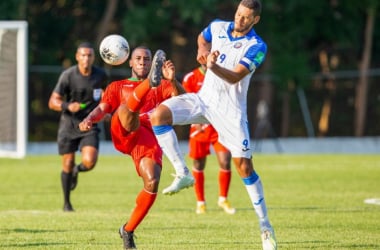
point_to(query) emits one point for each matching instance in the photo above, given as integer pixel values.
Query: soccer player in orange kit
(201, 137)
(131, 101)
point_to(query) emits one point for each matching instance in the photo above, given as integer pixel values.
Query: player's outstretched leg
(155, 73)
(167, 139)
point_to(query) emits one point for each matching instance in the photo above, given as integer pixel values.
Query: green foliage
(12, 10)
(296, 31)
(314, 202)
(154, 22)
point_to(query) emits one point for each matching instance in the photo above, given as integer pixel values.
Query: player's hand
(212, 58)
(168, 70)
(85, 125)
(74, 107)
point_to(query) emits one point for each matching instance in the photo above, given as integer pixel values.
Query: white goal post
(13, 88)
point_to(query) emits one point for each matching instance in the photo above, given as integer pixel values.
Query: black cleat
(68, 207)
(155, 73)
(74, 180)
(127, 237)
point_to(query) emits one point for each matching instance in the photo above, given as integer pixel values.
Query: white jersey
(218, 102)
(249, 51)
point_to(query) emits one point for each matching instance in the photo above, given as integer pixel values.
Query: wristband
(83, 105)
(65, 106)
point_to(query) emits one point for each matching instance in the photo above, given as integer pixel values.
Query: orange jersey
(193, 81)
(135, 143)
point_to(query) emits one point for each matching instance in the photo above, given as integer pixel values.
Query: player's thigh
(186, 109)
(234, 135)
(146, 146)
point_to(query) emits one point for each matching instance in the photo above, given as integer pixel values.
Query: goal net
(13, 88)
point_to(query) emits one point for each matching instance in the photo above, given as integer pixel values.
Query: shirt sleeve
(112, 96)
(62, 85)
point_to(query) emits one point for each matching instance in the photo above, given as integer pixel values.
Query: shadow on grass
(33, 231)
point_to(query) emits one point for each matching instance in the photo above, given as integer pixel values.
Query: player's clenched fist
(211, 58)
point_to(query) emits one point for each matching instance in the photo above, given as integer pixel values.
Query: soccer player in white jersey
(232, 51)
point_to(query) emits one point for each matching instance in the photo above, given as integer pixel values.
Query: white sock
(256, 194)
(169, 144)
(200, 203)
(221, 199)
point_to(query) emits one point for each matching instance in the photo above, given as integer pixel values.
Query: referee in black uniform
(77, 93)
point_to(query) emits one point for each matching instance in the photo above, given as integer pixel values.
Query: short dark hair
(255, 5)
(86, 45)
(142, 47)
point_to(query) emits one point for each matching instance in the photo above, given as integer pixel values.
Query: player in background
(76, 94)
(131, 101)
(232, 51)
(201, 137)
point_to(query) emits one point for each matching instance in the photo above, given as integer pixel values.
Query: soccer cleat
(127, 237)
(67, 207)
(74, 180)
(201, 209)
(269, 240)
(155, 73)
(180, 182)
(225, 205)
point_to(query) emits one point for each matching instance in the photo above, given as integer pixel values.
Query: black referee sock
(66, 185)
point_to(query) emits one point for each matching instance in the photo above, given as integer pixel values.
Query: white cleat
(201, 209)
(180, 182)
(226, 206)
(269, 239)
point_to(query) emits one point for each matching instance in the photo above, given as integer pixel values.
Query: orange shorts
(139, 144)
(199, 143)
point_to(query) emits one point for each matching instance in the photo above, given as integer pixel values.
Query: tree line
(312, 48)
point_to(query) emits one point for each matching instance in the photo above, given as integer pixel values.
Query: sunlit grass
(314, 202)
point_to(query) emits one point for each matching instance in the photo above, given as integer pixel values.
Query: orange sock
(199, 184)
(224, 182)
(134, 100)
(144, 202)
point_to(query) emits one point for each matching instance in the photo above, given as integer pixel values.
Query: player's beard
(243, 29)
(141, 74)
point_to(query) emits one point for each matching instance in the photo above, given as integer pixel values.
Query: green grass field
(314, 202)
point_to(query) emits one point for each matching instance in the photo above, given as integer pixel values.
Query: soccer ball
(114, 49)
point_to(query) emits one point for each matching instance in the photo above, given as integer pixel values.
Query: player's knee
(161, 116)
(151, 185)
(89, 163)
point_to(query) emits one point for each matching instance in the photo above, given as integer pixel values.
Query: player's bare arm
(231, 76)
(96, 115)
(56, 103)
(204, 49)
